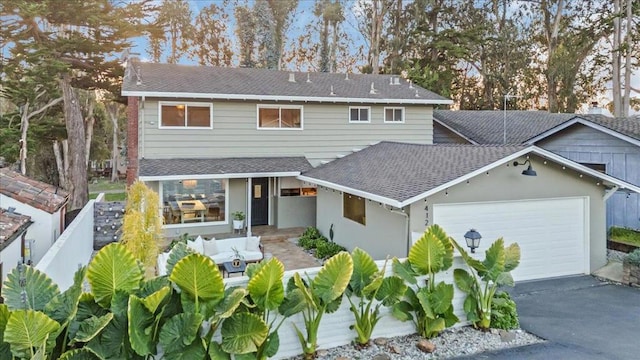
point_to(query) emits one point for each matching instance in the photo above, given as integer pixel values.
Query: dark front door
(259, 201)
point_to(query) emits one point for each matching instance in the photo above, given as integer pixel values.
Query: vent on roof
(595, 109)
(292, 77)
(346, 76)
(308, 77)
(394, 80)
(332, 93)
(373, 89)
(410, 84)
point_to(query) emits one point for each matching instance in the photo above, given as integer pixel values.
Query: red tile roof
(12, 225)
(38, 194)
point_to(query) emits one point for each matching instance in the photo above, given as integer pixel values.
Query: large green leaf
(471, 262)
(113, 268)
(266, 287)
(464, 281)
(141, 320)
(445, 239)
(364, 268)
(216, 352)
(243, 333)
(391, 290)
(233, 297)
(38, 289)
(333, 277)
(441, 298)
(272, 345)
(505, 279)
(179, 251)
(28, 329)
(404, 271)
(150, 286)
(180, 331)
(294, 302)
(79, 354)
(511, 257)
(198, 276)
(113, 340)
(494, 261)
(196, 350)
(90, 327)
(427, 255)
(63, 307)
(402, 311)
(153, 301)
(5, 351)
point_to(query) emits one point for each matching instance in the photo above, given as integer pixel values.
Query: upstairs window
(185, 115)
(353, 208)
(359, 114)
(394, 115)
(279, 117)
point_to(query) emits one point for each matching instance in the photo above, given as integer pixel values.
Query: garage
(552, 233)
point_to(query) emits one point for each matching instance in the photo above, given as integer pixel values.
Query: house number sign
(426, 215)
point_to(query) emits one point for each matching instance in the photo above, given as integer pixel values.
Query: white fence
(334, 328)
(72, 249)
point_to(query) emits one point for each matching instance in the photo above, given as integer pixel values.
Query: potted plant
(237, 258)
(238, 220)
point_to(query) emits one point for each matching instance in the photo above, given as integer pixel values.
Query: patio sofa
(220, 251)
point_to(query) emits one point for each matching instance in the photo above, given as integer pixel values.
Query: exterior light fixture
(473, 239)
(529, 171)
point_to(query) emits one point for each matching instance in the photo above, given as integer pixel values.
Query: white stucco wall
(9, 257)
(44, 230)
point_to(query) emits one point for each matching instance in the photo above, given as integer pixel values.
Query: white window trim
(394, 108)
(259, 106)
(195, 224)
(186, 104)
(351, 121)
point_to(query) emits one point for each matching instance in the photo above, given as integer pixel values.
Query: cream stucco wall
(383, 235)
(506, 183)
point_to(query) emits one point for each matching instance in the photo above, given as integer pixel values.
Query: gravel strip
(450, 343)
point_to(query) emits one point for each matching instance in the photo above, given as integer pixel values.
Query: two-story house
(213, 141)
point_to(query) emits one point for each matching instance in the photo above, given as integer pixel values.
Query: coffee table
(230, 269)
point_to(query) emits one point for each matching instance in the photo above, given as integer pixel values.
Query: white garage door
(551, 232)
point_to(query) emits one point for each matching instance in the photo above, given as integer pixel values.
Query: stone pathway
(291, 255)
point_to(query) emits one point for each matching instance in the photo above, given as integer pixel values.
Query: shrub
(307, 243)
(504, 314)
(633, 258)
(326, 249)
(311, 232)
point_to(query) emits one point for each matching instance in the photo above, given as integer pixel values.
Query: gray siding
(506, 183)
(442, 135)
(384, 235)
(296, 211)
(622, 159)
(327, 133)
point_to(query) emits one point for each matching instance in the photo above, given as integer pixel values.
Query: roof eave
(331, 99)
(219, 176)
(364, 194)
(585, 122)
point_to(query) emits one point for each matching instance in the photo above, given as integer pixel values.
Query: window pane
(290, 118)
(354, 208)
(364, 114)
(189, 201)
(269, 117)
(354, 116)
(388, 115)
(172, 115)
(198, 116)
(397, 115)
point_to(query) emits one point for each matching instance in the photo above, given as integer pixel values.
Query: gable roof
(35, 193)
(487, 126)
(12, 225)
(399, 174)
(166, 169)
(208, 82)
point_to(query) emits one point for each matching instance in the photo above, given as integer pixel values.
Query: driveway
(580, 317)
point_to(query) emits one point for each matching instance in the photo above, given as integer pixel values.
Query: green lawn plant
(371, 290)
(504, 314)
(483, 278)
(317, 296)
(429, 306)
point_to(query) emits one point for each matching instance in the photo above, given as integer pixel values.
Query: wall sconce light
(529, 171)
(189, 184)
(473, 239)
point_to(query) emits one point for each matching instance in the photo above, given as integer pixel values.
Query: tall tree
(210, 44)
(246, 33)
(625, 43)
(330, 14)
(372, 16)
(174, 24)
(273, 18)
(79, 41)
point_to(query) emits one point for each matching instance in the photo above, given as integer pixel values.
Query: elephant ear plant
(431, 303)
(372, 290)
(317, 296)
(483, 279)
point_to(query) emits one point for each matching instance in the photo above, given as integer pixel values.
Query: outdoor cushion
(210, 247)
(253, 243)
(196, 245)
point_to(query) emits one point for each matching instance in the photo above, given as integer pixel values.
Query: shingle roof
(220, 166)
(486, 127)
(35, 193)
(220, 82)
(400, 171)
(11, 226)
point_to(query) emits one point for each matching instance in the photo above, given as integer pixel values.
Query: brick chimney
(132, 139)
